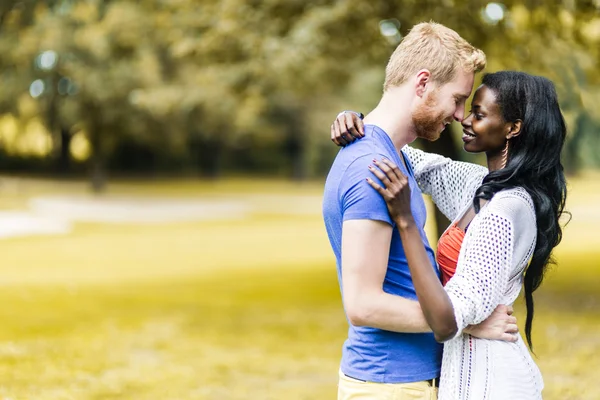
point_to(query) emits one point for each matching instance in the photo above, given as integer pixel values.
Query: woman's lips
(467, 136)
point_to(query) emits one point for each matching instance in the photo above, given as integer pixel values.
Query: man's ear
(515, 129)
(422, 81)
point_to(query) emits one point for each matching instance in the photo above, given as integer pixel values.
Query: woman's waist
(496, 355)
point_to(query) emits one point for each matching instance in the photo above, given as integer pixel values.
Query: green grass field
(238, 309)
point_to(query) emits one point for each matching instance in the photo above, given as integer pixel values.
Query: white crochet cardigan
(494, 254)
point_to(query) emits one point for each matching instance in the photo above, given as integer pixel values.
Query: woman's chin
(470, 149)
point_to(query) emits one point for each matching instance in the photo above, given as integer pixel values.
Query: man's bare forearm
(398, 314)
(365, 252)
(365, 256)
(389, 312)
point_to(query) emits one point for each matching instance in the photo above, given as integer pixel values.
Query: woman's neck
(495, 162)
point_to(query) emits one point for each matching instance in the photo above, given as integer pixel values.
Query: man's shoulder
(361, 153)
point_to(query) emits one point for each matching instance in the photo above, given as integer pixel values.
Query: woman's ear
(515, 129)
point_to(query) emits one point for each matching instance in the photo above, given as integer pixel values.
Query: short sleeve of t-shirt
(358, 199)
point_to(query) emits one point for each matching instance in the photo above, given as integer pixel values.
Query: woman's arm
(500, 240)
(482, 278)
(435, 303)
(451, 184)
(434, 300)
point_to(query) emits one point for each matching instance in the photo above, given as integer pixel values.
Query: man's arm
(366, 238)
(365, 250)
(365, 253)
(476, 287)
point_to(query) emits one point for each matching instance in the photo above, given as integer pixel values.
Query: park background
(161, 171)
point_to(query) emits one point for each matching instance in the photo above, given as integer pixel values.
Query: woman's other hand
(346, 128)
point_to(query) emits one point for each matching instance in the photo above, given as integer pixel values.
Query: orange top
(447, 251)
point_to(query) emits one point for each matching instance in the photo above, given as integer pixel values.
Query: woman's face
(484, 129)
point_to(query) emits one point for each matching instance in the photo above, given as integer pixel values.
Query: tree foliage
(244, 83)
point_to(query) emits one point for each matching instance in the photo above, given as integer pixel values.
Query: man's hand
(500, 325)
(346, 128)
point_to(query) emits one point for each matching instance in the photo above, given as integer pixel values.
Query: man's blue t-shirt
(371, 354)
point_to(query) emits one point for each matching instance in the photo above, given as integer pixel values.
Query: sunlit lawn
(243, 309)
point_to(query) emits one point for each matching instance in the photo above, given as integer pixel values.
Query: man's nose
(459, 114)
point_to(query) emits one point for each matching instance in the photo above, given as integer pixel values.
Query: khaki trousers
(353, 389)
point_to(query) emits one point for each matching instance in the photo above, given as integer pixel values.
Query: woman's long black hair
(533, 164)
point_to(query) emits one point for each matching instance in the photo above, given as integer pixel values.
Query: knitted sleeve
(497, 242)
(451, 184)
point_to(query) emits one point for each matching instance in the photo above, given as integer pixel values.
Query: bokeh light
(37, 87)
(493, 13)
(47, 60)
(390, 29)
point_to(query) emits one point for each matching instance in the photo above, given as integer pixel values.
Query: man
(390, 352)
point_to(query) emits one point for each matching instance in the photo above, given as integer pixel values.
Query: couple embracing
(400, 302)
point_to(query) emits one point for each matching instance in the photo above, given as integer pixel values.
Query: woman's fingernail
(375, 161)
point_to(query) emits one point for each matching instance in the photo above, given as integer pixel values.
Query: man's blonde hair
(436, 48)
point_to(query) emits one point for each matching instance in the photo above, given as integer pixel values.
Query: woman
(505, 223)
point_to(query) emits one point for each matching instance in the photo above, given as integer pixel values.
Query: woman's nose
(466, 123)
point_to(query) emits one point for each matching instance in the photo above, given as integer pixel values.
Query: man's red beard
(427, 121)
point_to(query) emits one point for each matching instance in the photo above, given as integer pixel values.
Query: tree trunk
(207, 155)
(444, 146)
(213, 163)
(98, 168)
(98, 175)
(295, 141)
(64, 161)
(572, 146)
(52, 122)
(296, 148)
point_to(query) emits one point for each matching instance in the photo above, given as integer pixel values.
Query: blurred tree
(104, 51)
(199, 81)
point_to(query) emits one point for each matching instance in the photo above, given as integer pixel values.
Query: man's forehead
(463, 84)
(462, 94)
